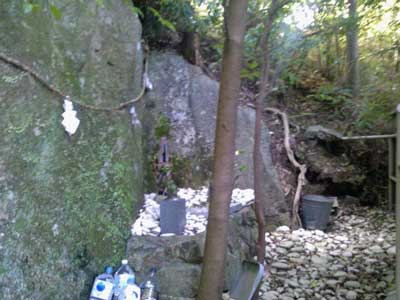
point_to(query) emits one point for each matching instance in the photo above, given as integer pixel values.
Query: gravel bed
(354, 259)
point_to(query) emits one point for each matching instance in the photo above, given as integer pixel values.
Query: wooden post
(398, 206)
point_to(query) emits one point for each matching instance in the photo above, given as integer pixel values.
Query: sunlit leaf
(168, 24)
(36, 7)
(137, 11)
(55, 12)
(154, 12)
(163, 21)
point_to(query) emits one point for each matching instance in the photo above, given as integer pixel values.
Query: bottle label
(132, 292)
(123, 279)
(102, 290)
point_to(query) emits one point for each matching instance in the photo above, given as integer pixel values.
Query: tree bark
(257, 159)
(338, 59)
(211, 281)
(329, 59)
(352, 50)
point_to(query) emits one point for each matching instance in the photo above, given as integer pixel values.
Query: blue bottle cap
(100, 286)
(109, 270)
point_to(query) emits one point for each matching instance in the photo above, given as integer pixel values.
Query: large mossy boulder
(66, 204)
(189, 98)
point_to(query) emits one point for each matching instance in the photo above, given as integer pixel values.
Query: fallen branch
(301, 179)
(17, 64)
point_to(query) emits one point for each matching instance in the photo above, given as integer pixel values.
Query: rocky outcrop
(331, 169)
(184, 94)
(275, 204)
(66, 204)
(188, 98)
(179, 258)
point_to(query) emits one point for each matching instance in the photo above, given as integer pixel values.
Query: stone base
(179, 258)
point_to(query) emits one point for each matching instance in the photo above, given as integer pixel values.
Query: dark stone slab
(173, 216)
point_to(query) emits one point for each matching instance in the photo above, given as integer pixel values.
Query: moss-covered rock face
(66, 203)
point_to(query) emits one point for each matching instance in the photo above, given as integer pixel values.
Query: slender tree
(264, 88)
(352, 49)
(257, 159)
(211, 282)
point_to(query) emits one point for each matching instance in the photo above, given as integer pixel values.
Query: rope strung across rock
(62, 95)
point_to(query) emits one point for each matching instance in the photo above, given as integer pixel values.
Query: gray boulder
(179, 90)
(189, 98)
(331, 169)
(179, 258)
(318, 132)
(275, 205)
(66, 204)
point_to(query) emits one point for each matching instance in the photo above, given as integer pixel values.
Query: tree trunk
(352, 50)
(338, 58)
(397, 58)
(211, 282)
(191, 48)
(329, 59)
(257, 159)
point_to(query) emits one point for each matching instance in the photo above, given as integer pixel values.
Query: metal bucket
(315, 211)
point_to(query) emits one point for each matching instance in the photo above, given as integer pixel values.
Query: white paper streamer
(147, 82)
(70, 121)
(134, 118)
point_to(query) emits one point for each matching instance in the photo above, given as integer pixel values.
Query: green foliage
(100, 3)
(181, 170)
(292, 79)
(170, 188)
(28, 7)
(163, 127)
(162, 20)
(331, 95)
(137, 10)
(378, 108)
(251, 71)
(56, 12)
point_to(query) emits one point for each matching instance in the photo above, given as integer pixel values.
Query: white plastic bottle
(121, 277)
(103, 286)
(131, 291)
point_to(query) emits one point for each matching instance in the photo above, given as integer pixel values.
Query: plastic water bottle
(103, 286)
(121, 277)
(131, 291)
(150, 286)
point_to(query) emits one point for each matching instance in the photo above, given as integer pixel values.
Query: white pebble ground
(354, 260)
(148, 221)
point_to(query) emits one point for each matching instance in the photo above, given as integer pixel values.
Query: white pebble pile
(148, 221)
